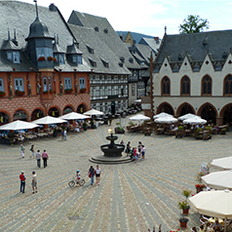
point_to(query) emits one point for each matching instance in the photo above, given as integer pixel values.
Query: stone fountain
(112, 152)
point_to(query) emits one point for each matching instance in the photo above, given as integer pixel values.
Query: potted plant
(118, 129)
(223, 131)
(199, 187)
(179, 132)
(183, 222)
(2, 94)
(184, 206)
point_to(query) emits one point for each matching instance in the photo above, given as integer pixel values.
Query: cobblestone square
(131, 197)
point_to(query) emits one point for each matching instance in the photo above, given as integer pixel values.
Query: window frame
(21, 85)
(67, 83)
(230, 85)
(167, 88)
(1, 85)
(185, 90)
(207, 87)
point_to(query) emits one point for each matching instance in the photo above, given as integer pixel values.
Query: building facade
(193, 74)
(40, 74)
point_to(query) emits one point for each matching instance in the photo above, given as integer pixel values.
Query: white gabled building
(192, 73)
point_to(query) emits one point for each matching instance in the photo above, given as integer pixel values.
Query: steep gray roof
(145, 51)
(153, 43)
(96, 50)
(19, 16)
(106, 33)
(196, 45)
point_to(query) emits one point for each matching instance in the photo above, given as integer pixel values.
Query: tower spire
(36, 8)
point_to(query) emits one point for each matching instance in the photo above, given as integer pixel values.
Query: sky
(149, 16)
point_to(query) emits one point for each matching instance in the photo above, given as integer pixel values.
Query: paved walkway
(131, 197)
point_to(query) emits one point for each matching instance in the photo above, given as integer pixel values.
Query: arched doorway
(208, 112)
(67, 110)
(185, 108)
(81, 109)
(20, 115)
(226, 113)
(54, 112)
(36, 114)
(165, 107)
(3, 118)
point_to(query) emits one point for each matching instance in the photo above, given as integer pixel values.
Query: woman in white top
(98, 173)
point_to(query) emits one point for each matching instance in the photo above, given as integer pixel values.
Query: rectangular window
(49, 83)
(82, 83)
(16, 57)
(18, 82)
(61, 58)
(45, 52)
(133, 90)
(79, 59)
(1, 85)
(67, 83)
(45, 87)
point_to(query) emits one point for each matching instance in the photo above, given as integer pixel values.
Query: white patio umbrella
(218, 180)
(166, 119)
(162, 115)
(213, 203)
(223, 163)
(93, 112)
(49, 120)
(139, 117)
(187, 116)
(195, 121)
(18, 125)
(73, 116)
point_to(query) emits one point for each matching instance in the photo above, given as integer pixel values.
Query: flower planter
(186, 211)
(68, 90)
(2, 94)
(183, 224)
(41, 58)
(19, 93)
(83, 90)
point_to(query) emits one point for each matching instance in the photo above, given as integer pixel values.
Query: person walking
(143, 151)
(38, 157)
(91, 174)
(65, 134)
(22, 178)
(140, 147)
(22, 149)
(45, 158)
(34, 182)
(128, 148)
(32, 151)
(98, 174)
(62, 135)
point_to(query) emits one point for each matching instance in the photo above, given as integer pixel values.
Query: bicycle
(71, 183)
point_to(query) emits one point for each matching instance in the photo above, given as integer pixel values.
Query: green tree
(193, 24)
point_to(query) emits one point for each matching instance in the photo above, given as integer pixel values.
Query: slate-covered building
(42, 70)
(104, 31)
(193, 74)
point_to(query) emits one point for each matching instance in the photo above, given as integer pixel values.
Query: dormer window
(90, 50)
(93, 63)
(106, 30)
(59, 58)
(105, 63)
(44, 52)
(13, 56)
(96, 29)
(76, 58)
(131, 60)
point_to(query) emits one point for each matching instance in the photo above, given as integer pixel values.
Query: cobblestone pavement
(131, 197)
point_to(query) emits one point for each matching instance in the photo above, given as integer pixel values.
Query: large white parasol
(195, 121)
(218, 180)
(93, 112)
(162, 115)
(187, 116)
(49, 120)
(73, 116)
(166, 119)
(18, 125)
(223, 163)
(213, 203)
(139, 117)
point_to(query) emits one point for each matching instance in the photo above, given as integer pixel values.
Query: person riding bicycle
(78, 175)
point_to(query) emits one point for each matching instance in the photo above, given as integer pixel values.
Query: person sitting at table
(217, 226)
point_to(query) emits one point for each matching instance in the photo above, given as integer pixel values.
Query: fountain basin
(114, 151)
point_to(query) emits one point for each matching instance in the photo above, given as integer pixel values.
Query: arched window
(206, 85)
(228, 85)
(165, 86)
(185, 86)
